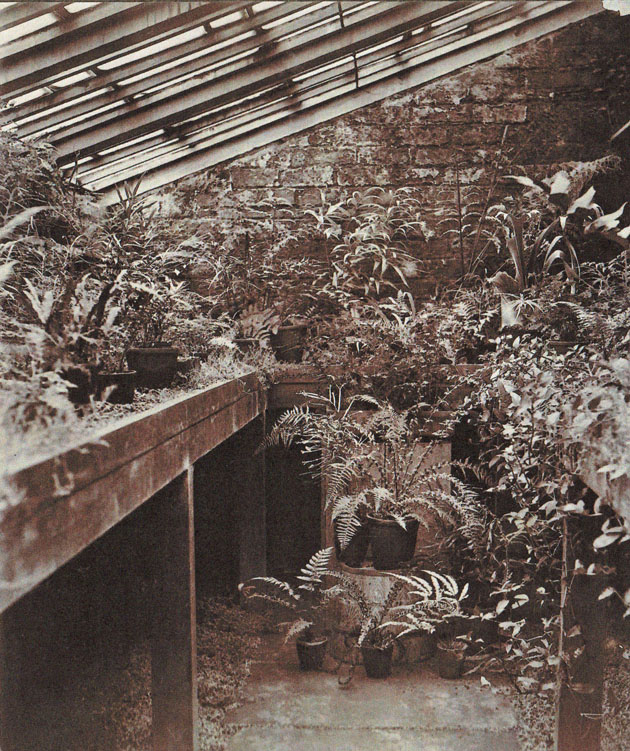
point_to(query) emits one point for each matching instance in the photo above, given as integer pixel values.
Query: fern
(317, 567)
(297, 628)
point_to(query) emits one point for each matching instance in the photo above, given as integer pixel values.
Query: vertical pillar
(249, 496)
(580, 695)
(174, 642)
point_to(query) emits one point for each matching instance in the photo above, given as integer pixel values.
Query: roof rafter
(116, 26)
(145, 65)
(548, 18)
(288, 58)
(20, 13)
(266, 36)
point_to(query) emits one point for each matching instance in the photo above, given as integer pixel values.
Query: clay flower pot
(311, 652)
(391, 543)
(155, 367)
(377, 661)
(288, 342)
(450, 664)
(120, 387)
(355, 551)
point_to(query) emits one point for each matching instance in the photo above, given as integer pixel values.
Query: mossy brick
(504, 113)
(243, 177)
(421, 156)
(428, 135)
(308, 175)
(379, 154)
(365, 174)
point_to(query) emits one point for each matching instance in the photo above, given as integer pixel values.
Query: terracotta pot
(311, 653)
(419, 646)
(377, 661)
(246, 344)
(288, 343)
(122, 386)
(391, 543)
(155, 367)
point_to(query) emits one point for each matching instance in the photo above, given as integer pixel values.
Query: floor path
(285, 709)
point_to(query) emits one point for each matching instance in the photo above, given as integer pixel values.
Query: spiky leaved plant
(307, 602)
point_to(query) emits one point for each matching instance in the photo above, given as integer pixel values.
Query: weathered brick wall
(550, 101)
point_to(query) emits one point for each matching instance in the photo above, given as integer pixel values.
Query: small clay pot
(121, 387)
(377, 661)
(288, 342)
(450, 664)
(155, 367)
(80, 380)
(246, 344)
(311, 652)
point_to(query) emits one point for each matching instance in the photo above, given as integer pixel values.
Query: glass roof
(126, 88)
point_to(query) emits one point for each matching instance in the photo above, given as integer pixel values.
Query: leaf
(526, 181)
(603, 541)
(501, 606)
(583, 202)
(607, 221)
(5, 271)
(22, 218)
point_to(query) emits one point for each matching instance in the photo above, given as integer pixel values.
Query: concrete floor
(285, 709)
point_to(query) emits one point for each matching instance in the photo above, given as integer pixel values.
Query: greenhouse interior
(315, 375)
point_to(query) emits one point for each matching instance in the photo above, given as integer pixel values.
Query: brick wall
(550, 101)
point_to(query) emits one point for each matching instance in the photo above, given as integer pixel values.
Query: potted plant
(376, 473)
(71, 328)
(413, 606)
(154, 359)
(307, 604)
(255, 327)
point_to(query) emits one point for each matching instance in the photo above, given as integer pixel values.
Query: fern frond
(297, 628)
(316, 568)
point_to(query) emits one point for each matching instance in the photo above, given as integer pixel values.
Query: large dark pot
(391, 543)
(355, 551)
(288, 342)
(377, 661)
(121, 387)
(311, 652)
(155, 367)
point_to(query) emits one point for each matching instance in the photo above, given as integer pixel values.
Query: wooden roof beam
(145, 65)
(549, 18)
(293, 57)
(22, 12)
(163, 77)
(107, 29)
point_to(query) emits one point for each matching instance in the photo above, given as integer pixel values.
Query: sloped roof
(166, 89)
